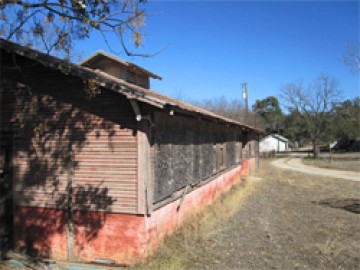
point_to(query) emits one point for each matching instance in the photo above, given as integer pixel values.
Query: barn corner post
(144, 169)
(143, 135)
(149, 187)
(144, 129)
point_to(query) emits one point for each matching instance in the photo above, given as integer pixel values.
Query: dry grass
(338, 163)
(185, 248)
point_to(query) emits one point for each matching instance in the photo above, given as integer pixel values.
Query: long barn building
(100, 166)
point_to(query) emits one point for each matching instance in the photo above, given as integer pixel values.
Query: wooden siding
(70, 147)
(106, 172)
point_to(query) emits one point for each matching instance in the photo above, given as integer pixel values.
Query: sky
(209, 48)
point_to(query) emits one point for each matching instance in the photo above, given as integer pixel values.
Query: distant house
(99, 165)
(274, 142)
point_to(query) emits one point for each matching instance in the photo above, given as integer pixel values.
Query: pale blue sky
(211, 47)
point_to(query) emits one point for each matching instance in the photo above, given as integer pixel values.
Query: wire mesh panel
(188, 151)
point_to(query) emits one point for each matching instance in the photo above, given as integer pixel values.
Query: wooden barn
(96, 165)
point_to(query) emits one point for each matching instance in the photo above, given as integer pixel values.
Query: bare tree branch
(313, 103)
(122, 17)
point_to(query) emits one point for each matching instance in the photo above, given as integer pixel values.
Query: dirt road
(295, 164)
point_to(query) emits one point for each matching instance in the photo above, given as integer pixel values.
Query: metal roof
(120, 86)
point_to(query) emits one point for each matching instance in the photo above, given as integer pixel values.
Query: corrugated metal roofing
(120, 86)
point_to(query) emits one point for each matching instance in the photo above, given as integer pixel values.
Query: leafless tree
(53, 25)
(313, 102)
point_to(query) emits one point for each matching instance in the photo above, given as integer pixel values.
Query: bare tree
(352, 56)
(233, 108)
(53, 25)
(313, 103)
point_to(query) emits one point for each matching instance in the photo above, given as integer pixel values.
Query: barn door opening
(6, 194)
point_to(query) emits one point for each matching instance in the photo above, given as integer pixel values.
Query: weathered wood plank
(97, 137)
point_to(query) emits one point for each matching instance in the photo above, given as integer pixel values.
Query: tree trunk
(316, 149)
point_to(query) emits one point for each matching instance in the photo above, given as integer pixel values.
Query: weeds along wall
(189, 150)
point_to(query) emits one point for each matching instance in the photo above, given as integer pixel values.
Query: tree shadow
(351, 205)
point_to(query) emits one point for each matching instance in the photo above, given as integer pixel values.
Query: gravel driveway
(295, 164)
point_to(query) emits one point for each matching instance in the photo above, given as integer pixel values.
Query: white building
(274, 142)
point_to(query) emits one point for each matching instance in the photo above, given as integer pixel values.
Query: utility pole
(245, 96)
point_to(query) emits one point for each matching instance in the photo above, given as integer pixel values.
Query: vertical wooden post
(69, 209)
(145, 196)
(149, 186)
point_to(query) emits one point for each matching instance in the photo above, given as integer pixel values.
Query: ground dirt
(291, 221)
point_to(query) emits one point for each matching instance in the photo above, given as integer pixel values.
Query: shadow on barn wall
(52, 119)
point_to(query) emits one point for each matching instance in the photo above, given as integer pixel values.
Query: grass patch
(184, 249)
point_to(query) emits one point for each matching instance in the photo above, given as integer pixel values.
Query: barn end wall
(71, 154)
(125, 238)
